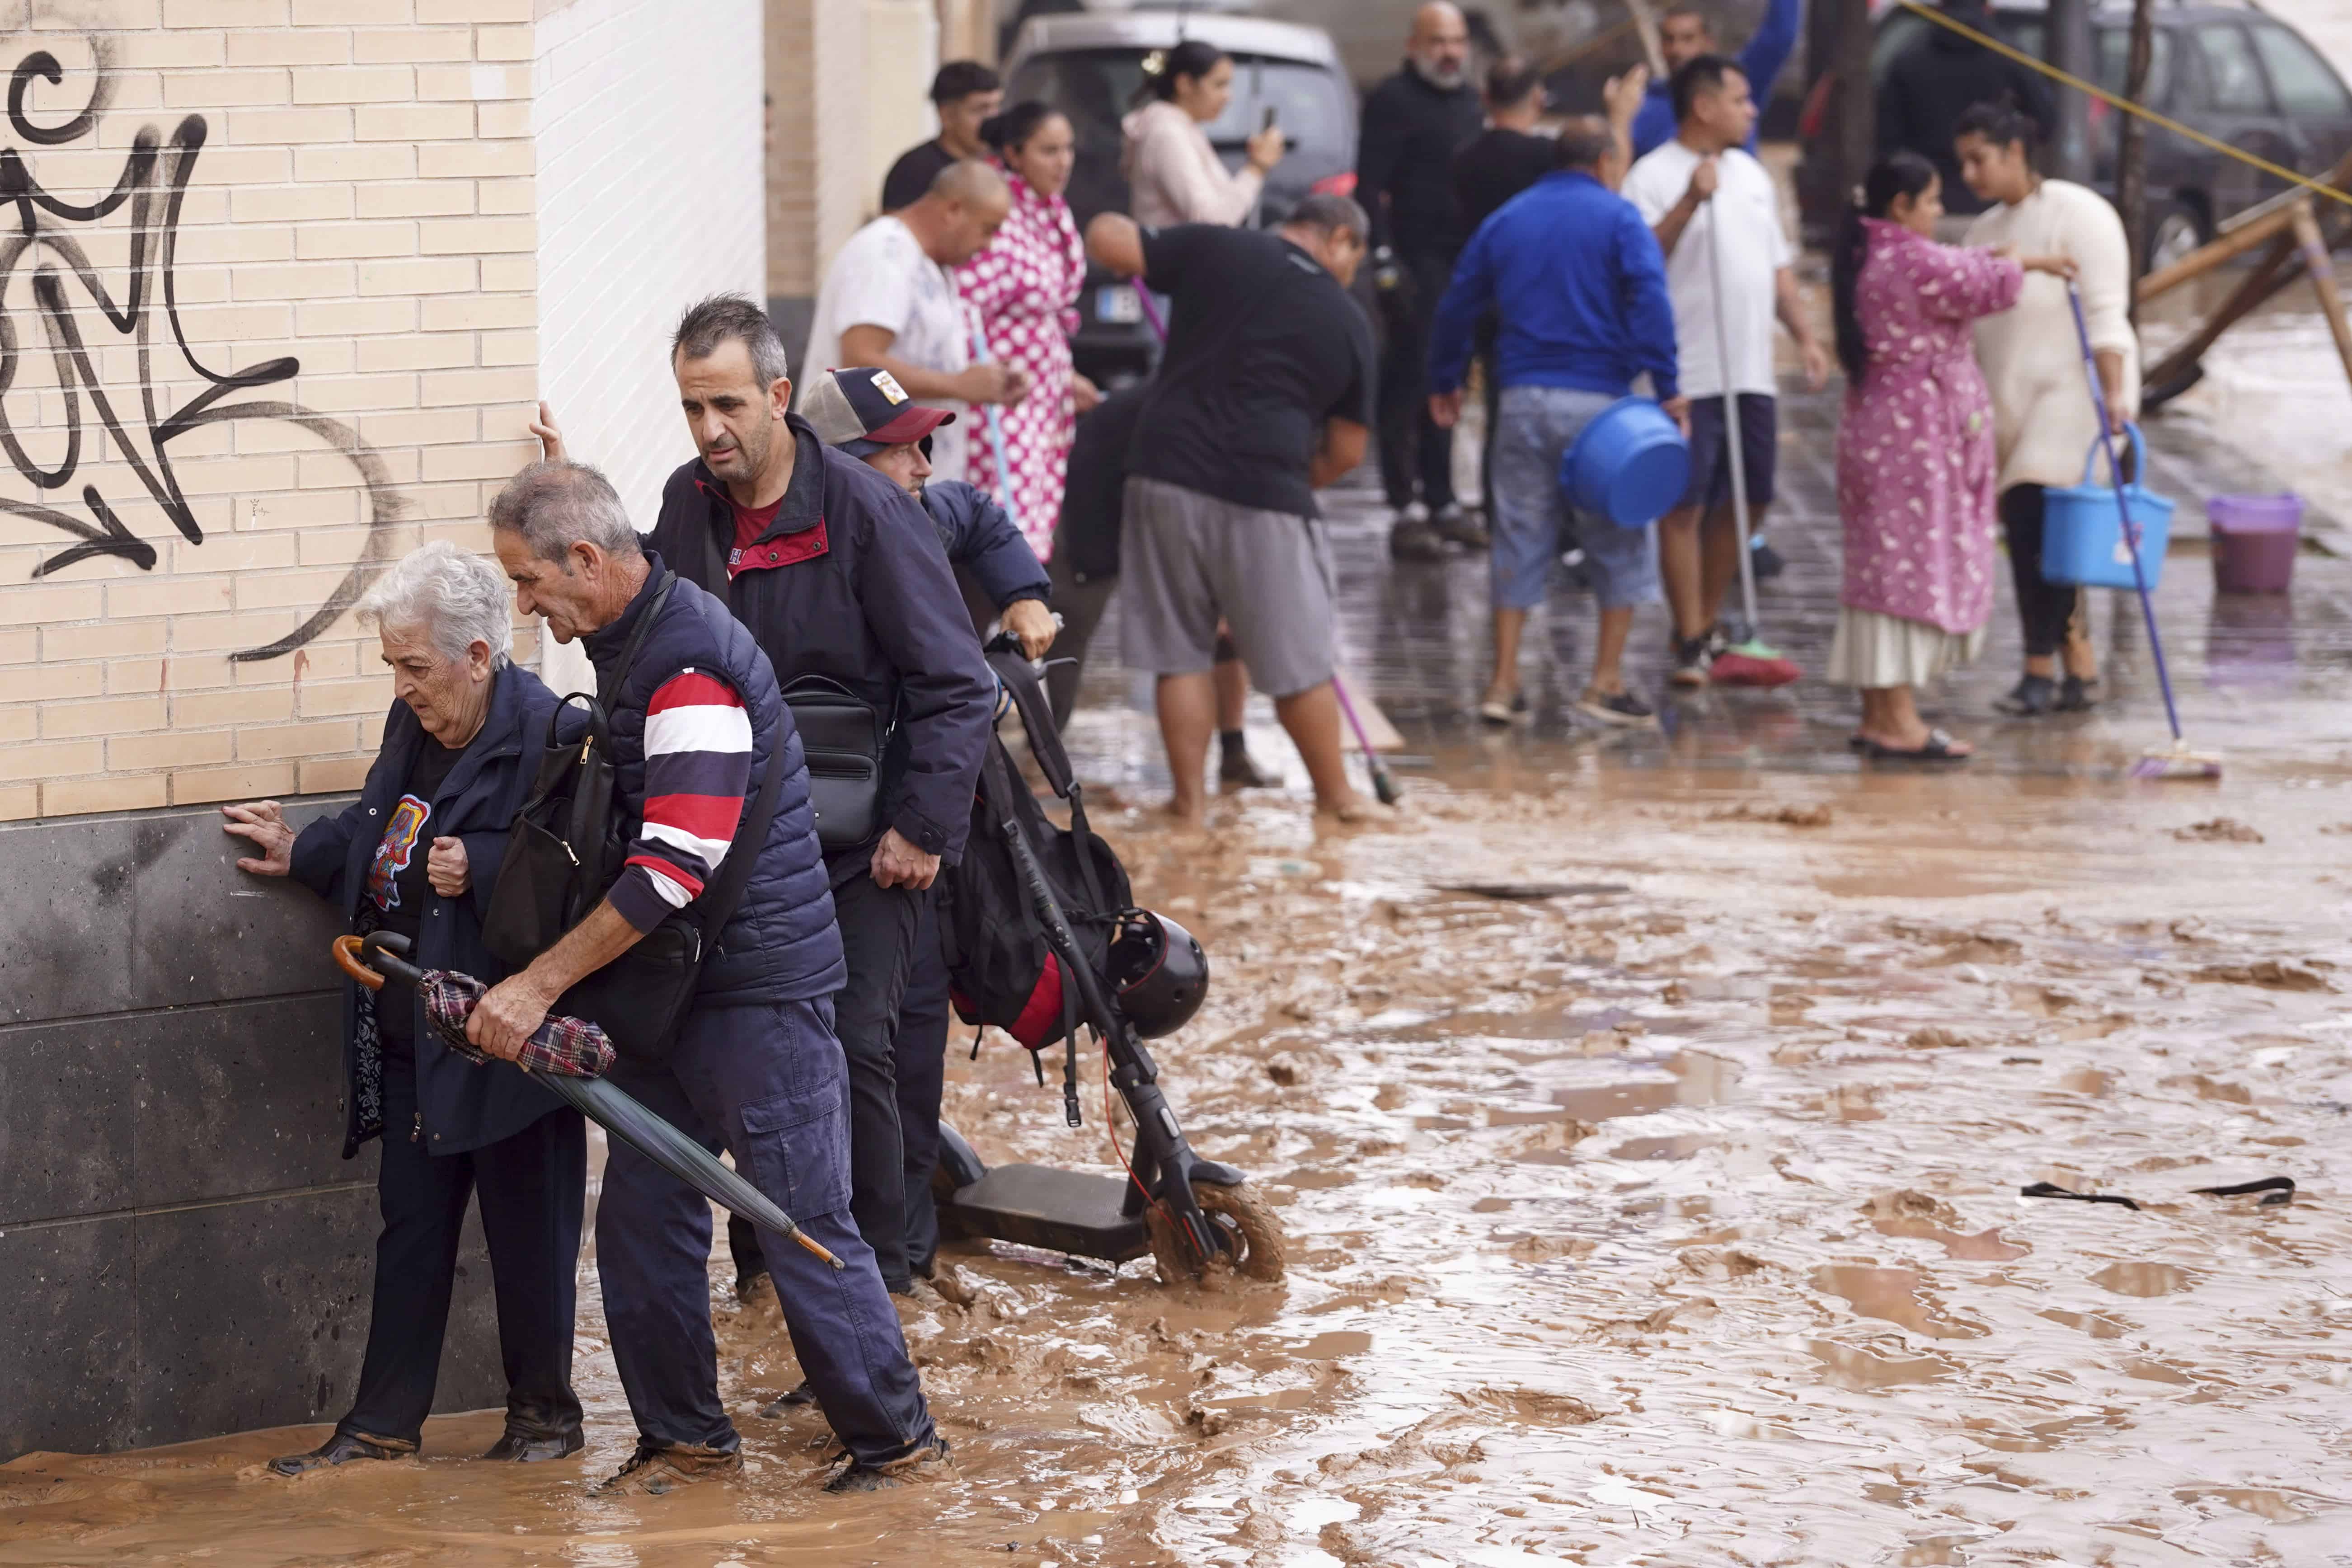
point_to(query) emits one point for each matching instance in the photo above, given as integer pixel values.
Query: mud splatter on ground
(1678, 1223)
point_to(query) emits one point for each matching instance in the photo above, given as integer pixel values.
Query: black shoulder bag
(844, 741)
(565, 851)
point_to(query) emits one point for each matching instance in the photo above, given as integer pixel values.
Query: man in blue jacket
(1684, 34)
(696, 722)
(1579, 289)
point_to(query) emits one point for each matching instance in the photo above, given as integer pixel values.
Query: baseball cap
(863, 410)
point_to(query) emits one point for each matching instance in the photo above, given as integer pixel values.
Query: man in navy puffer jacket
(695, 716)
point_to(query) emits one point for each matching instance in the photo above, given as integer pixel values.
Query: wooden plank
(2207, 256)
(2323, 281)
(1377, 728)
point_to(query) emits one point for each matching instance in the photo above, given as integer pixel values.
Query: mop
(1750, 662)
(2176, 761)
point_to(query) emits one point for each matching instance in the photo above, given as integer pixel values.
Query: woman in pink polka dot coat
(1023, 291)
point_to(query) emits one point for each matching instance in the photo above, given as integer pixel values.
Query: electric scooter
(1187, 1212)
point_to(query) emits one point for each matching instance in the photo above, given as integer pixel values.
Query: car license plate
(1116, 304)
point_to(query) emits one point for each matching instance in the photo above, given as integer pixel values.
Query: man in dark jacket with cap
(1938, 77)
(1414, 124)
(697, 728)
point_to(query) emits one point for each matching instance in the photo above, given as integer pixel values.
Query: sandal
(1518, 710)
(2033, 695)
(1938, 749)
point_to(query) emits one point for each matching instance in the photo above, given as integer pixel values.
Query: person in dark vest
(1414, 123)
(417, 854)
(836, 573)
(694, 717)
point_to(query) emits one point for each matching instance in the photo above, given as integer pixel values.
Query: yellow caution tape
(2126, 105)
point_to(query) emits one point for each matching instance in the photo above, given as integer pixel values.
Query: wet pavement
(1672, 1218)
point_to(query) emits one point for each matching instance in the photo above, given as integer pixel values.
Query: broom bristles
(2176, 763)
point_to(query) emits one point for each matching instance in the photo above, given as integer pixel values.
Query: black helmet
(1160, 972)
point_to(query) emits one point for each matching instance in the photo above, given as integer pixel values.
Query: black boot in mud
(341, 1449)
(535, 1446)
(2032, 696)
(1236, 769)
(923, 1464)
(797, 1396)
(656, 1472)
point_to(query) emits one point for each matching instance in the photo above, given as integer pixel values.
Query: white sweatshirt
(2043, 419)
(1175, 176)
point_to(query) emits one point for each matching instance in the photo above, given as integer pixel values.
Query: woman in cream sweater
(1172, 172)
(2043, 422)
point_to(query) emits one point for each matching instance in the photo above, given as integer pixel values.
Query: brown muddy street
(1672, 1225)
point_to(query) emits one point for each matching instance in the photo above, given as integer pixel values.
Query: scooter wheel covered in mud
(1252, 1235)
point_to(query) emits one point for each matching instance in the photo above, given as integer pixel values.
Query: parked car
(1090, 67)
(2243, 78)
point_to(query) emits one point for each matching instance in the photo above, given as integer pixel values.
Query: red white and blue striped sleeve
(697, 772)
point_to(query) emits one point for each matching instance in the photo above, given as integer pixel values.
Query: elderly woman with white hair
(417, 852)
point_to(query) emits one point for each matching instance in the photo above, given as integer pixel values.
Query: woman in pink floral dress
(1915, 453)
(1024, 290)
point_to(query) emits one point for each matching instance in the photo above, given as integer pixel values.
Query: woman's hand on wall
(261, 822)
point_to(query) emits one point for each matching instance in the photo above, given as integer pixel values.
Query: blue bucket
(1630, 464)
(2082, 537)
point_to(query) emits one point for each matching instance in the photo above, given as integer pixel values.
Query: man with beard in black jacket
(1414, 124)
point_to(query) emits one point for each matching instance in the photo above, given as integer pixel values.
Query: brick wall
(300, 342)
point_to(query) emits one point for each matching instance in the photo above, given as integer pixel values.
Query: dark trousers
(1080, 603)
(768, 1082)
(922, 1051)
(530, 1188)
(877, 935)
(2044, 608)
(1412, 447)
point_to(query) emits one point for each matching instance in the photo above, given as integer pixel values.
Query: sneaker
(860, 1477)
(1692, 657)
(1493, 710)
(341, 1449)
(1621, 709)
(1458, 527)
(656, 1469)
(1414, 540)
(1766, 561)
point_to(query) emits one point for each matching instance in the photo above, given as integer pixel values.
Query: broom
(2176, 761)
(1749, 662)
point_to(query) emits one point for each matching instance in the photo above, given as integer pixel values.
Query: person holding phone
(1173, 174)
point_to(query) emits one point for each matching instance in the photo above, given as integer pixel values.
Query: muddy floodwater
(1673, 1223)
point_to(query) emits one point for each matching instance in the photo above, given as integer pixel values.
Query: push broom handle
(1734, 434)
(2123, 506)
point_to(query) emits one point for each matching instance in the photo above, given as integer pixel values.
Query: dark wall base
(185, 1250)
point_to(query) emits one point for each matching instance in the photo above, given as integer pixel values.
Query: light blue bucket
(1630, 465)
(2082, 528)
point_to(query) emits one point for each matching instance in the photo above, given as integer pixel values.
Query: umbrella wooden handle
(347, 959)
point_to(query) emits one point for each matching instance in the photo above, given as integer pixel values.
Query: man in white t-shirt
(1701, 186)
(889, 302)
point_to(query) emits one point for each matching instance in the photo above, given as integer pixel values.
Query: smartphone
(1266, 123)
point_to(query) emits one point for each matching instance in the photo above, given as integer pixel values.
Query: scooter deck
(1038, 1206)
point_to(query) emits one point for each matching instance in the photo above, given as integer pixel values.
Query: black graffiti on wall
(135, 421)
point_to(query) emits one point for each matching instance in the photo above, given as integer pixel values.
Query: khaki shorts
(1189, 559)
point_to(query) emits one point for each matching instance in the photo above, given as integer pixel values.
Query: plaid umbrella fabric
(574, 1048)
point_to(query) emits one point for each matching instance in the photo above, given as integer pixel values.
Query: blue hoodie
(1579, 286)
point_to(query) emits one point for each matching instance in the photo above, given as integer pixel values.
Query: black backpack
(1001, 969)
